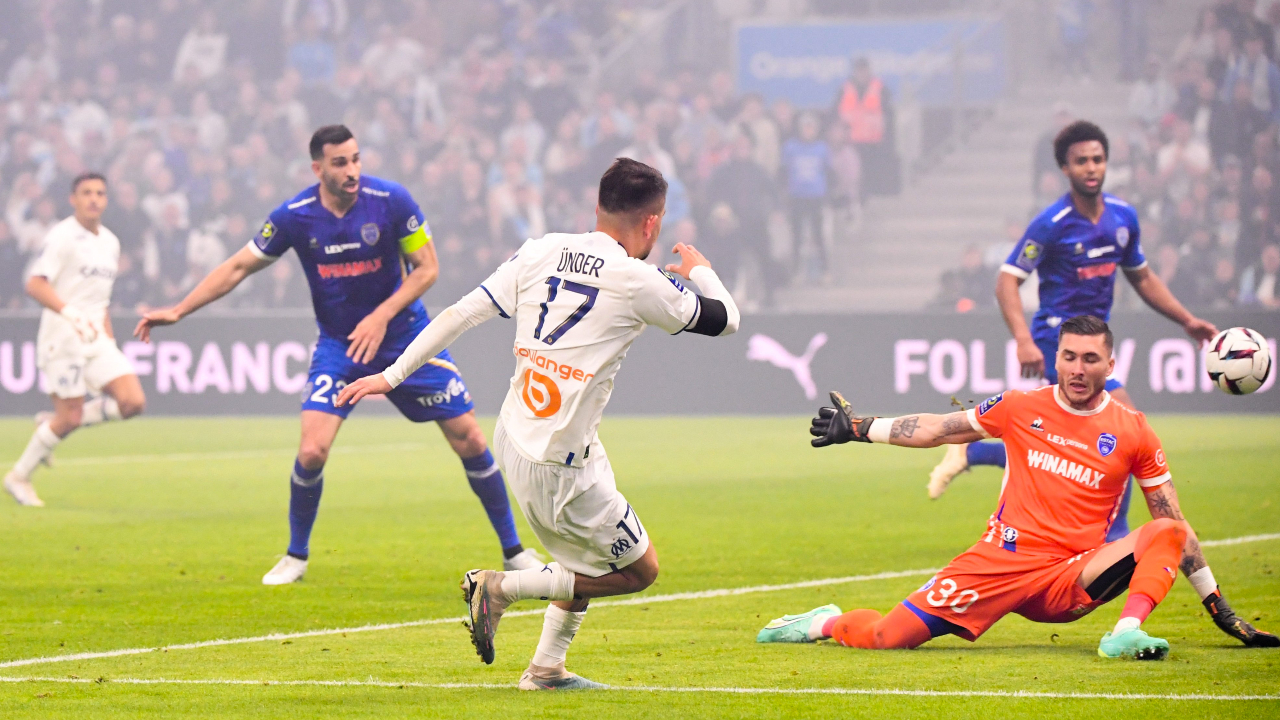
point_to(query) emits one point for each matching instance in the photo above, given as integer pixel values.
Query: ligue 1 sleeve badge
(1106, 444)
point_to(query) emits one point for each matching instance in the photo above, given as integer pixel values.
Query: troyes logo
(540, 394)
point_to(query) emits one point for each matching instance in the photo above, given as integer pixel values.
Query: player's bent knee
(313, 455)
(131, 407)
(1161, 526)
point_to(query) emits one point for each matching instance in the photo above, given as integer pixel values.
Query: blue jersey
(1077, 261)
(352, 263)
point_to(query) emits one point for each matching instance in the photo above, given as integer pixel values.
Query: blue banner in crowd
(807, 63)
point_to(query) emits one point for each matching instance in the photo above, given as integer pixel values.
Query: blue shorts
(435, 392)
(1050, 350)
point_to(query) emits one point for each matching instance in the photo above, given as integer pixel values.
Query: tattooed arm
(1163, 503)
(927, 431)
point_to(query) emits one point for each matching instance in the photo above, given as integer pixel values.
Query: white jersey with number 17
(579, 301)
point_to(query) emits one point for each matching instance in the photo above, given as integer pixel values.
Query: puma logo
(763, 348)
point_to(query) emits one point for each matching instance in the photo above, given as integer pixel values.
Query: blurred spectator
(806, 160)
(738, 195)
(313, 56)
(1256, 71)
(1134, 27)
(203, 51)
(1072, 17)
(865, 106)
(968, 287)
(1199, 44)
(393, 57)
(1153, 95)
(1239, 19)
(1235, 124)
(1258, 282)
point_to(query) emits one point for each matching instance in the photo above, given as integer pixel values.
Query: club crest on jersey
(620, 547)
(370, 233)
(1106, 444)
(989, 403)
(1122, 236)
(1038, 424)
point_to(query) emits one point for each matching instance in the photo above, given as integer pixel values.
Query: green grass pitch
(138, 552)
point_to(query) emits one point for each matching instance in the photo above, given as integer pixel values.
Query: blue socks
(986, 453)
(486, 482)
(1120, 527)
(305, 487)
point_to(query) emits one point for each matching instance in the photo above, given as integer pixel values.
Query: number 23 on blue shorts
(436, 391)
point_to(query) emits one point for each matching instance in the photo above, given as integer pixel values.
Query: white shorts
(577, 513)
(74, 368)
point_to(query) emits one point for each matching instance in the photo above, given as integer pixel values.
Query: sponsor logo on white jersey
(763, 348)
(1072, 471)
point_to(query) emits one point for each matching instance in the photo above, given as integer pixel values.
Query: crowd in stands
(199, 114)
(1200, 161)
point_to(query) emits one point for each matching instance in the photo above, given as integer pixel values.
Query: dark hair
(629, 186)
(1088, 326)
(85, 177)
(1078, 132)
(328, 135)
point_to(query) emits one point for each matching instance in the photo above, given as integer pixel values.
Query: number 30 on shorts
(944, 593)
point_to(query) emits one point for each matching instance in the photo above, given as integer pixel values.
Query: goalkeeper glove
(81, 321)
(1235, 626)
(839, 424)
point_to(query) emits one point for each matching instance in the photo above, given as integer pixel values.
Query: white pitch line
(1239, 540)
(697, 595)
(1012, 694)
(641, 600)
(228, 455)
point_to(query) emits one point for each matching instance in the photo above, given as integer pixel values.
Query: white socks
(1126, 623)
(558, 628)
(42, 443)
(100, 410)
(549, 582)
(1202, 580)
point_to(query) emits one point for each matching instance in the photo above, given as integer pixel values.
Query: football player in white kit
(75, 348)
(579, 301)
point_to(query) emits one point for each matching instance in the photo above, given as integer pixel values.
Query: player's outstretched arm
(474, 308)
(1163, 503)
(1156, 294)
(221, 281)
(840, 424)
(1007, 296)
(720, 316)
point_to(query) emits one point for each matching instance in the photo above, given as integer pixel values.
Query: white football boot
(526, 560)
(41, 418)
(540, 678)
(289, 569)
(22, 490)
(953, 463)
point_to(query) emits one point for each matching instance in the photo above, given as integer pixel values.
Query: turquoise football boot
(794, 628)
(1134, 644)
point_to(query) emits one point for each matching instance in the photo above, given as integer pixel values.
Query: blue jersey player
(1076, 245)
(356, 236)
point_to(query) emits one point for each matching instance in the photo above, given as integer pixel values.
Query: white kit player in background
(75, 348)
(579, 301)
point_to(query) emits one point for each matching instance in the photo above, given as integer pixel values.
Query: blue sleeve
(1029, 251)
(406, 217)
(1132, 256)
(273, 239)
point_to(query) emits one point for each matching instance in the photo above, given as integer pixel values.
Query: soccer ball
(1239, 360)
